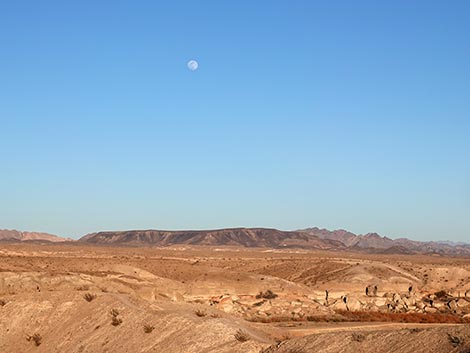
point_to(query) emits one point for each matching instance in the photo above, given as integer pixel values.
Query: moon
(192, 65)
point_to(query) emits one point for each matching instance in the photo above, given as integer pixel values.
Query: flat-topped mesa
(246, 237)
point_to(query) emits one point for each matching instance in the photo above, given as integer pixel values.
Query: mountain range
(309, 238)
(376, 243)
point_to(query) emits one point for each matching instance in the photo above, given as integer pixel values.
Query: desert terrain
(79, 297)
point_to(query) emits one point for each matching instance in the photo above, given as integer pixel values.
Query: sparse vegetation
(358, 337)
(268, 294)
(115, 319)
(326, 318)
(3, 302)
(200, 313)
(415, 330)
(89, 297)
(430, 318)
(148, 328)
(83, 288)
(242, 336)
(368, 316)
(35, 338)
(441, 294)
(454, 340)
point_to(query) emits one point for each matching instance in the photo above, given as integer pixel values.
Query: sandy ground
(201, 299)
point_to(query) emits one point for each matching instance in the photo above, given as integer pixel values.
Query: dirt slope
(449, 339)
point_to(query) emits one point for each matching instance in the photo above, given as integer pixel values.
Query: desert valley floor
(79, 298)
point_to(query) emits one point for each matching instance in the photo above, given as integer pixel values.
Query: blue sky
(334, 114)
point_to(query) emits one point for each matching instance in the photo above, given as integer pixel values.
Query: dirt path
(380, 326)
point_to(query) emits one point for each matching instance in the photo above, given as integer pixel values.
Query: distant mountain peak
(374, 242)
(16, 235)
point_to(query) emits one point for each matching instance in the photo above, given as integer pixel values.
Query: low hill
(247, 237)
(15, 235)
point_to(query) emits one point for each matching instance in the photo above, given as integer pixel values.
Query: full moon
(192, 65)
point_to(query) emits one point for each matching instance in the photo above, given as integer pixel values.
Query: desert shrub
(200, 313)
(3, 302)
(358, 337)
(326, 318)
(148, 328)
(89, 297)
(115, 319)
(241, 336)
(270, 319)
(36, 339)
(268, 294)
(415, 330)
(454, 340)
(425, 318)
(259, 303)
(441, 294)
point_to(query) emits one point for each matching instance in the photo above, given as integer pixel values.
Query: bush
(200, 313)
(89, 297)
(36, 338)
(454, 340)
(259, 303)
(148, 328)
(115, 320)
(241, 336)
(424, 318)
(442, 294)
(268, 294)
(358, 337)
(3, 302)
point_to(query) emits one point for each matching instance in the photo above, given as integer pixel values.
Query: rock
(397, 298)
(354, 304)
(379, 301)
(339, 305)
(235, 298)
(431, 310)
